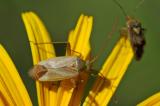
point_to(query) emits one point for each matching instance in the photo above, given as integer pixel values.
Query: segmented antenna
(120, 6)
(123, 11)
(139, 4)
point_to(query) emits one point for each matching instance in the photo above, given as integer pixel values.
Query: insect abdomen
(139, 49)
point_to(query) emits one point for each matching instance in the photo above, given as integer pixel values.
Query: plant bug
(135, 32)
(62, 67)
(58, 68)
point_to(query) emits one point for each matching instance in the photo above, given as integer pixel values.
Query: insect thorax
(81, 64)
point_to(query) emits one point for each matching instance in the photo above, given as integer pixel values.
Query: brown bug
(58, 68)
(63, 67)
(135, 32)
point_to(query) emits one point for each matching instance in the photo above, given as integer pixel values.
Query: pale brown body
(58, 68)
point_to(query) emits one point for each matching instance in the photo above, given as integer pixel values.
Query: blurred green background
(142, 78)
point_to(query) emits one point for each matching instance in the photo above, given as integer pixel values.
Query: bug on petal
(62, 67)
(135, 32)
(58, 68)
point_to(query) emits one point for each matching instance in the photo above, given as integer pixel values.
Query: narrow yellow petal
(78, 38)
(76, 32)
(70, 40)
(64, 94)
(45, 36)
(37, 33)
(35, 53)
(85, 51)
(12, 89)
(151, 101)
(111, 74)
(53, 95)
(5, 99)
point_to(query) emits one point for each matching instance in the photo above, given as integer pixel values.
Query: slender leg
(80, 55)
(69, 50)
(39, 43)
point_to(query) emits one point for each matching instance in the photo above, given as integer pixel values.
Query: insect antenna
(102, 49)
(139, 4)
(39, 43)
(123, 10)
(120, 6)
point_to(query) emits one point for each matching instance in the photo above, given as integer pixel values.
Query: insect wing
(136, 33)
(59, 62)
(58, 74)
(138, 46)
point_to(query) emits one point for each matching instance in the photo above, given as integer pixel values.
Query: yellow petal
(37, 33)
(111, 73)
(12, 89)
(76, 32)
(78, 39)
(85, 51)
(151, 101)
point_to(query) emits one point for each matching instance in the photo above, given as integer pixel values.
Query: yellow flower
(151, 101)
(13, 91)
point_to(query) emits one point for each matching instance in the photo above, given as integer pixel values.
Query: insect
(58, 68)
(63, 67)
(135, 32)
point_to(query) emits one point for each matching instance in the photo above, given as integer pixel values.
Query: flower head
(65, 93)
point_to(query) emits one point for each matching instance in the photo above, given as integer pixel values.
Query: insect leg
(139, 4)
(69, 83)
(72, 51)
(38, 44)
(68, 49)
(80, 55)
(74, 82)
(53, 84)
